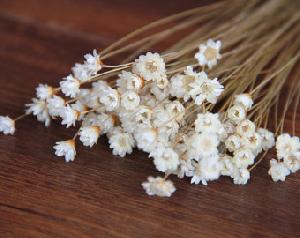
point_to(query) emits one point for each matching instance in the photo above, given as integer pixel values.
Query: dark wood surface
(100, 195)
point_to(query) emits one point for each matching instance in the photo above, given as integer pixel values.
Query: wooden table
(100, 195)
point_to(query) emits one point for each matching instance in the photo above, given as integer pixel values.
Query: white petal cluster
(121, 143)
(39, 109)
(70, 86)
(159, 186)
(89, 135)
(150, 67)
(54, 105)
(209, 53)
(69, 116)
(66, 149)
(288, 157)
(7, 125)
(43, 91)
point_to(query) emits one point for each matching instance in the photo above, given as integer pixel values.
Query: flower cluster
(169, 116)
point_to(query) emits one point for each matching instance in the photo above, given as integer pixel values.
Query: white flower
(40, 110)
(129, 81)
(233, 142)
(69, 116)
(241, 176)
(245, 128)
(208, 122)
(268, 140)
(204, 88)
(175, 110)
(227, 165)
(145, 138)
(162, 82)
(92, 63)
(179, 85)
(55, 104)
(7, 125)
(236, 114)
(207, 169)
(89, 135)
(130, 100)
(142, 116)
(254, 143)
(81, 72)
(209, 53)
(122, 143)
(244, 100)
(202, 145)
(287, 145)
(150, 66)
(242, 158)
(159, 186)
(43, 91)
(111, 99)
(168, 161)
(66, 149)
(278, 170)
(160, 94)
(70, 86)
(292, 163)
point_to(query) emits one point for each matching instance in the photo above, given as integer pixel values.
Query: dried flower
(66, 149)
(7, 125)
(209, 53)
(159, 186)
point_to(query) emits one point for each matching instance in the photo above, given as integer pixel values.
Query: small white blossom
(227, 165)
(150, 66)
(242, 158)
(208, 122)
(202, 145)
(7, 125)
(268, 140)
(160, 94)
(204, 88)
(233, 142)
(236, 114)
(89, 135)
(287, 145)
(244, 100)
(70, 86)
(80, 72)
(278, 170)
(245, 128)
(43, 91)
(179, 85)
(69, 116)
(168, 161)
(159, 186)
(162, 82)
(130, 100)
(175, 110)
(254, 143)
(292, 163)
(66, 149)
(129, 81)
(241, 176)
(39, 109)
(92, 63)
(122, 143)
(209, 53)
(145, 138)
(111, 99)
(55, 104)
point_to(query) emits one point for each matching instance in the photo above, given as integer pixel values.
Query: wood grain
(100, 195)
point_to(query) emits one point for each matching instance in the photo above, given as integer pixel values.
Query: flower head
(209, 53)
(40, 110)
(55, 104)
(121, 143)
(159, 186)
(167, 161)
(130, 100)
(278, 170)
(43, 91)
(66, 149)
(7, 125)
(244, 100)
(69, 116)
(236, 114)
(287, 145)
(89, 135)
(70, 86)
(208, 122)
(150, 66)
